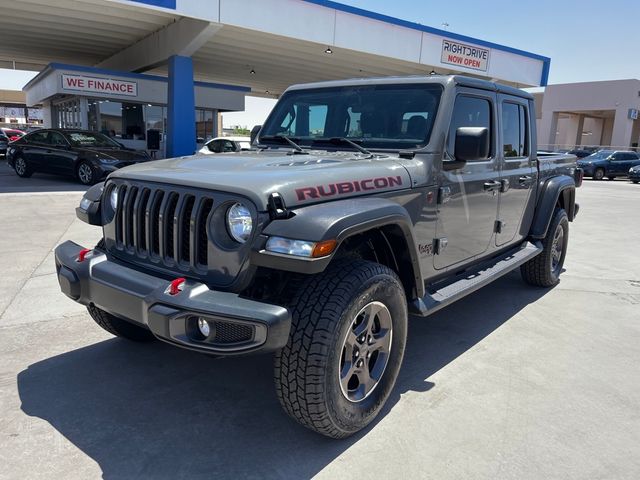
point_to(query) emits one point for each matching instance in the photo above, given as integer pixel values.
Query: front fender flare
(337, 220)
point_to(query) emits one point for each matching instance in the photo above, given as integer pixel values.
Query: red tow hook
(176, 286)
(83, 254)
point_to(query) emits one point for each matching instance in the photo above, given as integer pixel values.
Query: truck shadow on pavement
(155, 411)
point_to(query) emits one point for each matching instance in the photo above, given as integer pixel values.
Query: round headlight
(113, 199)
(239, 222)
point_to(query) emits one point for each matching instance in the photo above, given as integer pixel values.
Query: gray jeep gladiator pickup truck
(363, 201)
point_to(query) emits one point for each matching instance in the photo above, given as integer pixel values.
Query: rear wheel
(598, 174)
(85, 173)
(118, 327)
(22, 168)
(544, 269)
(345, 348)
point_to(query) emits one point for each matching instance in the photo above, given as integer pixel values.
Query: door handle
(525, 180)
(491, 186)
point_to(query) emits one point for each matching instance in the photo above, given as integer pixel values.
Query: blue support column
(181, 125)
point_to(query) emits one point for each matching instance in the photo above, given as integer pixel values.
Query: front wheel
(345, 348)
(598, 174)
(544, 269)
(85, 173)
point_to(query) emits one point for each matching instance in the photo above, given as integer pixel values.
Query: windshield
(601, 155)
(393, 117)
(91, 139)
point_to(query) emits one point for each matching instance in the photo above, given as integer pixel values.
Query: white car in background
(225, 145)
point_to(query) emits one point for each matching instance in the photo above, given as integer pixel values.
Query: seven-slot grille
(161, 224)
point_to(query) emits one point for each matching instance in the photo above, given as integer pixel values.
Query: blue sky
(587, 40)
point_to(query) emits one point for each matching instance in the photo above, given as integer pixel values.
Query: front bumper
(240, 325)
(634, 175)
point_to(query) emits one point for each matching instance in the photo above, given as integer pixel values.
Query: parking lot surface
(511, 382)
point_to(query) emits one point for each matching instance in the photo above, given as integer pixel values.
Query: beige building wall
(598, 109)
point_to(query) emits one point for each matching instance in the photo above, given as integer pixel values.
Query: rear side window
(514, 130)
(470, 112)
(38, 137)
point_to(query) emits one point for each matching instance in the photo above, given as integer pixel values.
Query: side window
(317, 120)
(229, 146)
(514, 130)
(215, 146)
(56, 139)
(38, 137)
(353, 123)
(414, 124)
(470, 112)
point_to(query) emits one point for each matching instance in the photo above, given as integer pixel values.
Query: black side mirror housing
(254, 132)
(472, 143)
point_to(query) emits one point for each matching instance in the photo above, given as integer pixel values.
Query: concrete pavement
(509, 383)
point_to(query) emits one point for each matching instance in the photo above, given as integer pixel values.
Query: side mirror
(472, 143)
(254, 132)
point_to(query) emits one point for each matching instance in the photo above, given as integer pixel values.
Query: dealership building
(589, 114)
(157, 73)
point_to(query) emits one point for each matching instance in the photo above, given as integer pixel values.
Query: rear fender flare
(550, 193)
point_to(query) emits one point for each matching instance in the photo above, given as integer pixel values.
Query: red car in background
(12, 133)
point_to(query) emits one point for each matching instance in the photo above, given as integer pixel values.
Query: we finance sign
(463, 55)
(81, 83)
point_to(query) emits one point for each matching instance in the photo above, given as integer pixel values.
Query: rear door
(468, 203)
(517, 172)
(34, 148)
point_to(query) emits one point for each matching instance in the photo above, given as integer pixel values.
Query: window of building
(204, 125)
(470, 112)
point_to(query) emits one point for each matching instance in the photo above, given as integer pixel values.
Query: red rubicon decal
(342, 188)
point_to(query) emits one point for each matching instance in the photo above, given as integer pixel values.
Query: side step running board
(433, 302)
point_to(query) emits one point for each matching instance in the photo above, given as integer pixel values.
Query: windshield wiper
(297, 148)
(353, 144)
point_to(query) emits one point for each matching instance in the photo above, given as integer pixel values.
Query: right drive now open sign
(463, 55)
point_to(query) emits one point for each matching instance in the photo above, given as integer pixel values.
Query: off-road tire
(598, 174)
(22, 171)
(540, 271)
(308, 368)
(119, 327)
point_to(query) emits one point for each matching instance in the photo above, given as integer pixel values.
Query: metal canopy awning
(282, 41)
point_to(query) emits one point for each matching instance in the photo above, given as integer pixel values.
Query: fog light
(204, 327)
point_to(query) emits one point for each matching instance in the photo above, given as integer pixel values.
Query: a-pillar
(181, 126)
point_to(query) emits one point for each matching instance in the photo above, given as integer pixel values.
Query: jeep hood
(300, 179)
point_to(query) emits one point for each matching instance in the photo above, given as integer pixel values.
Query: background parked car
(580, 153)
(4, 142)
(12, 133)
(634, 174)
(88, 156)
(226, 144)
(608, 163)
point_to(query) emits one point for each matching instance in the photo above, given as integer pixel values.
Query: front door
(517, 172)
(58, 157)
(468, 198)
